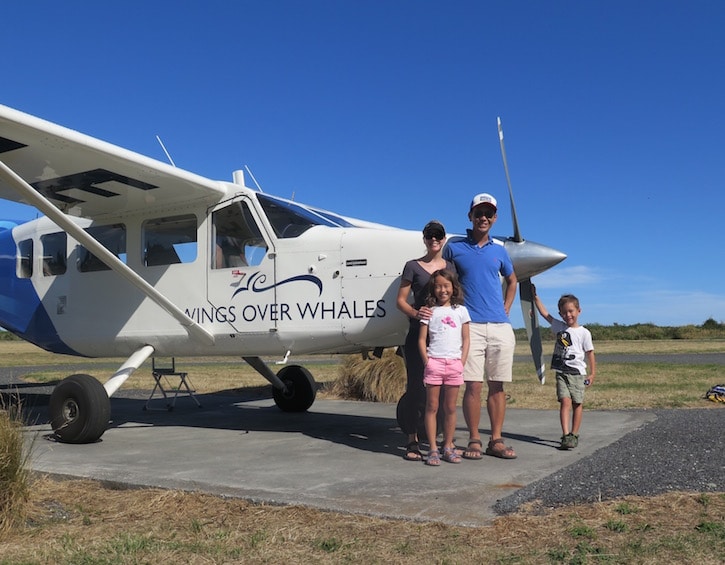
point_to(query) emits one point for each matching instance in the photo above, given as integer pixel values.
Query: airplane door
(241, 289)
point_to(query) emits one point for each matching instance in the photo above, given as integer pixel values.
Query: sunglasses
(488, 212)
(436, 234)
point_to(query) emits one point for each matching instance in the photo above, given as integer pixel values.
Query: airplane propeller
(538, 258)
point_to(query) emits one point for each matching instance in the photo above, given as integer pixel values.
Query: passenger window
(112, 237)
(170, 240)
(238, 242)
(25, 259)
(54, 247)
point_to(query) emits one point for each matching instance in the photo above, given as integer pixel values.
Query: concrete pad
(341, 455)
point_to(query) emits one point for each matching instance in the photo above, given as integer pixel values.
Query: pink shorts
(440, 371)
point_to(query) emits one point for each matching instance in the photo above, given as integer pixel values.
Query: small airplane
(136, 258)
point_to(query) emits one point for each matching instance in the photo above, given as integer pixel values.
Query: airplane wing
(62, 172)
(86, 177)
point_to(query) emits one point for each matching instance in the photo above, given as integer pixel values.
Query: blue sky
(613, 113)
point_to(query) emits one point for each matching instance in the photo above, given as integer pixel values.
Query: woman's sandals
(412, 452)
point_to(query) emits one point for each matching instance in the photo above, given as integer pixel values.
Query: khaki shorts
(570, 386)
(491, 353)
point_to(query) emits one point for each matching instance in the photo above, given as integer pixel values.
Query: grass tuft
(616, 526)
(371, 380)
(14, 474)
(625, 508)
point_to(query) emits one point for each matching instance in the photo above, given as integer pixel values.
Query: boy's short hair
(566, 298)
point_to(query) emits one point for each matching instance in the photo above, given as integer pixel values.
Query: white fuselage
(328, 289)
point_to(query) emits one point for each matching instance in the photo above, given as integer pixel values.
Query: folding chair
(165, 385)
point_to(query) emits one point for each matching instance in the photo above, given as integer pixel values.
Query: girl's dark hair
(456, 295)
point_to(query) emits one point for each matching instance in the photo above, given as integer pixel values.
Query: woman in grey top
(415, 277)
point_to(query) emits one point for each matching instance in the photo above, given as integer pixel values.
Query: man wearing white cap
(480, 261)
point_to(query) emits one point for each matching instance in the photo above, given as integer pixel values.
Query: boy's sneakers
(569, 441)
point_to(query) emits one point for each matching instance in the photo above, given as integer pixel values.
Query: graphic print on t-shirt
(561, 354)
(448, 321)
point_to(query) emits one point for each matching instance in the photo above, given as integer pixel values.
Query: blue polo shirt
(479, 270)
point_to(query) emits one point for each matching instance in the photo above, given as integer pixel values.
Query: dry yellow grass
(372, 380)
(79, 522)
(618, 385)
(14, 484)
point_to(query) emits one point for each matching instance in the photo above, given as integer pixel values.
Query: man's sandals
(473, 450)
(412, 452)
(496, 448)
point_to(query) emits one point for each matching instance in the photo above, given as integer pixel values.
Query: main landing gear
(79, 409)
(80, 406)
(294, 389)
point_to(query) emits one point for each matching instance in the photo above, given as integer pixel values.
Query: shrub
(7, 336)
(710, 329)
(371, 379)
(14, 474)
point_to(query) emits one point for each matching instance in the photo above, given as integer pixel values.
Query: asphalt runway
(347, 456)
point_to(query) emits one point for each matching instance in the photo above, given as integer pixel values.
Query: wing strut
(44, 205)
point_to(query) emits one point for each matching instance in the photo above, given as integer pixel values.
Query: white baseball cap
(483, 198)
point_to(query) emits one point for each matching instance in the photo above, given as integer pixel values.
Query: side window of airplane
(238, 241)
(54, 247)
(112, 237)
(170, 240)
(25, 259)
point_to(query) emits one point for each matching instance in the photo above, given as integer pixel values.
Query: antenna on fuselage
(255, 180)
(167, 153)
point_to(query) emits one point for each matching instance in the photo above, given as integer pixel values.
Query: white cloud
(609, 297)
(566, 277)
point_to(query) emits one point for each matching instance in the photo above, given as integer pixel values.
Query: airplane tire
(301, 389)
(79, 409)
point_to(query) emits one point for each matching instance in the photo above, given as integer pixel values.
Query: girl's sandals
(497, 448)
(450, 455)
(412, 452)
(434, 458)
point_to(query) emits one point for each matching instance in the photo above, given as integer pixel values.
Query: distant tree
(711, 324)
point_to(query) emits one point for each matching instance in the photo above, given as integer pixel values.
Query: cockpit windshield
(290, 220)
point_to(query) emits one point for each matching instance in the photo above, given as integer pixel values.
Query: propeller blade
(517, 234)
(533, 330)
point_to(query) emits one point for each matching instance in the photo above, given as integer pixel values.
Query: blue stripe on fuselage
(21, 311)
